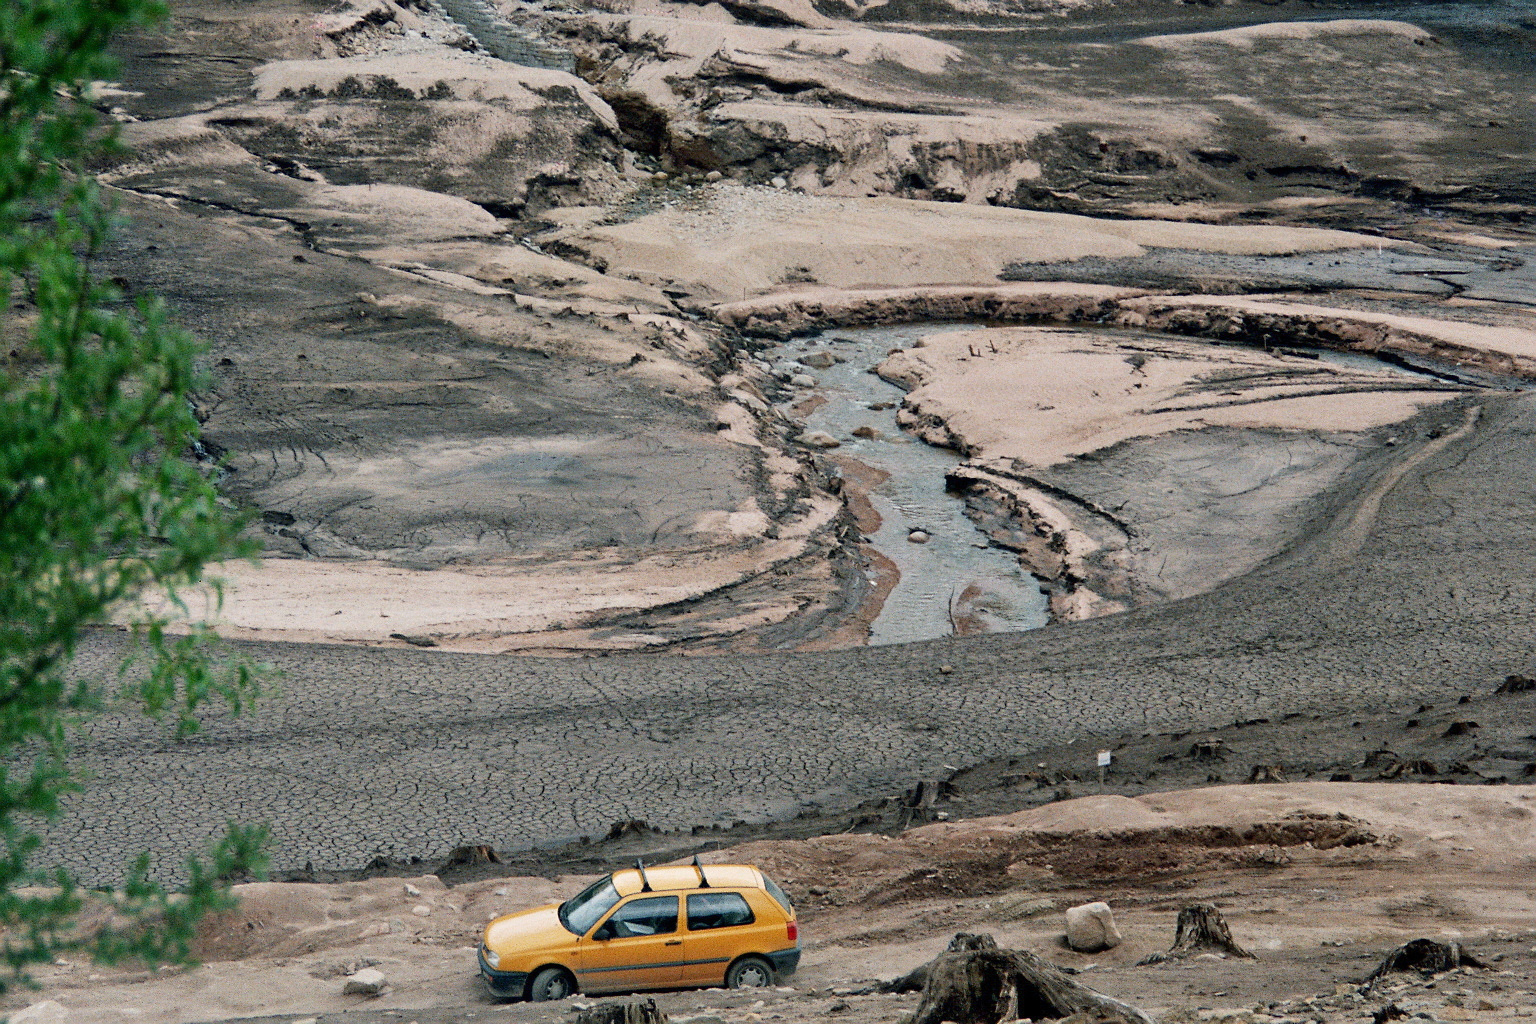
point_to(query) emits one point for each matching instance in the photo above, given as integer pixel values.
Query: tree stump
(1427, 956)
(1267, 773)
(1201, 929)
(623, 1013)
(915, 979)
(989, 986)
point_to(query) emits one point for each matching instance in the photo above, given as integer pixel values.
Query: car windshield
(580, 912)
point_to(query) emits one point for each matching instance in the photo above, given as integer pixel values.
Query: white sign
(1105, 757)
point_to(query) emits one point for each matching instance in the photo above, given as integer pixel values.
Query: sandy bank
(731, 242)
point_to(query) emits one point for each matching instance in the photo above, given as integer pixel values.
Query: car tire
(550, 983)
(750, 972)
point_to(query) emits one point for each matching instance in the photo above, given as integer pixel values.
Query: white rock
(368, 982)
(422, 910)
(713, 176)
(779, 183)
(919, 537)
(802, 380)
(307, 1020)
(411, 890)
(1091, 927)
(821, 439)
(45, 1012)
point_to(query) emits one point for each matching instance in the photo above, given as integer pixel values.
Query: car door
(637, 946)
(718, 929)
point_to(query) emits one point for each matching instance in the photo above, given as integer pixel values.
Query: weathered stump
(623, 1013)
(988, 986)
(1200, 929)
(1427, 956)
(915, 979)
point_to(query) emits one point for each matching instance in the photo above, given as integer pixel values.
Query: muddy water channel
(956, 566)
(952, 580)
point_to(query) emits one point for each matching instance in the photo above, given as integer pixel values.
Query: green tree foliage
(99, 502)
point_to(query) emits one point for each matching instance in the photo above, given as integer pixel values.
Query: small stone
(919, 537)
(818, 890)
(946, 669)
(821, 439)
(866, 432)
(1091, 928)
(713, 176)
(818, 360)
(802, 380)
(411, 890)
(306, 1020)
(779, 183)
(368, 982)
(659, 176)
(422, 910)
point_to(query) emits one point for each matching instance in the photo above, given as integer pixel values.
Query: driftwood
(990, 985)
(1426, 955)
(1201, 929)
(623, 1013)
(915, 979)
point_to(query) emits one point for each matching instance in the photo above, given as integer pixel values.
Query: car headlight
(491, 958)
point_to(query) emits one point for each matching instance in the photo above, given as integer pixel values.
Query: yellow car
(647, 928)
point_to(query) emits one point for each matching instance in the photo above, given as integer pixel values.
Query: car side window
(717, 910)
(656, 915)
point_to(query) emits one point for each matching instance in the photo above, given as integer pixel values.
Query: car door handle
(674, 942)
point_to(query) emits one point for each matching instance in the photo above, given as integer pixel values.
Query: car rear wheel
(550, 983)
(749, 972)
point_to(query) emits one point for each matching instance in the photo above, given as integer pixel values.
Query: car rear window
(717, 910)
(779, 894)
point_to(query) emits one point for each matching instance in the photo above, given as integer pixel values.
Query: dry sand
(1039, 397)
(731, 242)
(1354, 865)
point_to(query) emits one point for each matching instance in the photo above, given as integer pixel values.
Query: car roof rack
(645, 883)
(703, 882)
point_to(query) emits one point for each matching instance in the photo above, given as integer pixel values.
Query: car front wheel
(550, 983)
(749, 972)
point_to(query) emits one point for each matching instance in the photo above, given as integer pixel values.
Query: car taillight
(793, 928)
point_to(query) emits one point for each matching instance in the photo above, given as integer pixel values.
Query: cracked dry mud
(502, 359)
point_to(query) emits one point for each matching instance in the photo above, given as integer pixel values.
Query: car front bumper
(785, 961)
(503, 984)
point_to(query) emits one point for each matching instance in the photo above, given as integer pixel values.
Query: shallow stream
(937, 576)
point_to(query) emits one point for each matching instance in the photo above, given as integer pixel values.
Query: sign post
(1105, 759)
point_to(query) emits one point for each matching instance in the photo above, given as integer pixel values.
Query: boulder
(367, 982)
(802, 380)
(821, 439)
(1091, 928)
(866, 432)
(818, 360)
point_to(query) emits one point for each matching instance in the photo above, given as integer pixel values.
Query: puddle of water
(935, 575)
